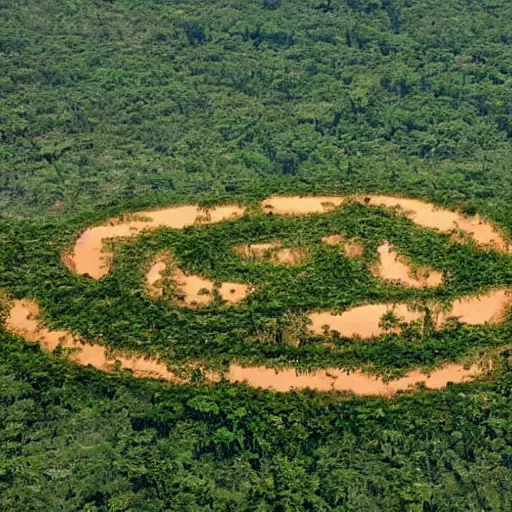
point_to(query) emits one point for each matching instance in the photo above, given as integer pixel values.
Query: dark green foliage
(101, 102)
(272, 4)
(75, 439)
(114, 106)
(195, 32)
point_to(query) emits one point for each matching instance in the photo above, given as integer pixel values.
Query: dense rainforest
(115, 106)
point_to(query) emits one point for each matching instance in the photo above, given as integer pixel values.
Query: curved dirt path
(367, 321)
(195, 290)
(351, 382)
(23, 320)
(89, 257)
(441, 219)
(395, 268)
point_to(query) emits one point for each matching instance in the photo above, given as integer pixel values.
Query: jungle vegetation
(112, 106)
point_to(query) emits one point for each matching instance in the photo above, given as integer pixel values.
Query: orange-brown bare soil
(23, 320)
(367, 321)
(430, 216)
(353, 382)
(362, 321)
(392, 267)
(90, 258)
(285, 205)
(194, 290)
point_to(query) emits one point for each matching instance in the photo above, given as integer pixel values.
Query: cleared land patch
(393, 267)
(363, 321)
(296, 205)
(23, 320)
(366, 321)
(353, 382)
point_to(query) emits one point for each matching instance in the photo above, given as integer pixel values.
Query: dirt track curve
(89, 258)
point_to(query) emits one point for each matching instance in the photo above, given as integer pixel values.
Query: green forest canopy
(112, 106)
(102, 102)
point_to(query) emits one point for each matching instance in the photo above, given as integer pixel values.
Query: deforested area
(255, 255)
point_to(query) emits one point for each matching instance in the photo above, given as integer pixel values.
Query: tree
(195, 32)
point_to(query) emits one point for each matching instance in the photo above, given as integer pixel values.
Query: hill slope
(108, 107)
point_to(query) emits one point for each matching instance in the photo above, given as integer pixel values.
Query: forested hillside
(109, 107)
(77, 440)
(103, 101)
